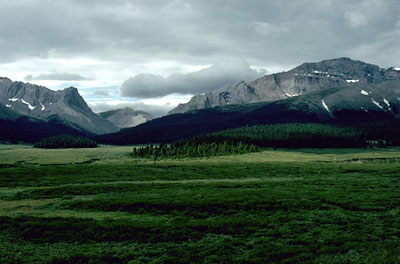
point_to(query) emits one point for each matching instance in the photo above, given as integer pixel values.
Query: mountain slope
(348, 104)
(355, 103)
(126, 117)
(308, 77)
(8, 114)
(39, 102)
(16, 127)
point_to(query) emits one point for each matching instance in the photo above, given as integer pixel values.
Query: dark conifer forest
(66, 141)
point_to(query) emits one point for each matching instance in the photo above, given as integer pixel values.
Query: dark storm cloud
(263, 32)
(57, 77)
(216, 76)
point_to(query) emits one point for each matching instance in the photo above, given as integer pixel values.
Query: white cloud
(204, 80)
(57, 76)
(157, 107)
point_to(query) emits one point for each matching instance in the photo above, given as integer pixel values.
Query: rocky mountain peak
(308, 77)
(42, 103)
(73, 99)
(343, 68)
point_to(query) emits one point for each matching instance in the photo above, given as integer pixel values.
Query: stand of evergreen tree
(66, 141)
(251, 139)
(292, 136)
(254, 138)
(192, 148)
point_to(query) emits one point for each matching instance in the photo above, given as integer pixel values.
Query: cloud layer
(216, 76)
(197, 32)
(51, 42)
(57, 77)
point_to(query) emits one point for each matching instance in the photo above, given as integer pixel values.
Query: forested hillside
(255, 138)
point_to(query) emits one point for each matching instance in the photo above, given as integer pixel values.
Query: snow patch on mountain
(352, 81)
(325, 106)
(22, 101)
(290, 95)
(28, 104)
(376, 103)
(386, 102)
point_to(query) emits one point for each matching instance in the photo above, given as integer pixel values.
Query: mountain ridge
(307, 77)
(42, 103)
(339, 105)
(16, 127)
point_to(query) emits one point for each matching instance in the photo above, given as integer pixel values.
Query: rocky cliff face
(127, 117)
(303, 79)
(352, 103)
(45, 104)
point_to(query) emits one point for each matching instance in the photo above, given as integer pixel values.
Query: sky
(152, 55)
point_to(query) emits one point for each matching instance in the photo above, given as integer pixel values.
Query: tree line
(292, 136)
(255, 138)
(193, 148)
(66, 141)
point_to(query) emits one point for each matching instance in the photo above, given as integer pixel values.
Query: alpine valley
(337, 91)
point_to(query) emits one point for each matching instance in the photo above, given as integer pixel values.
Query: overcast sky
(155, 54)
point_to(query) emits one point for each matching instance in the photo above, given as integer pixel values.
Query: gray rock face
(356, 102)
(127, 117)
(308, 77)
(45, 104)
(240, 93)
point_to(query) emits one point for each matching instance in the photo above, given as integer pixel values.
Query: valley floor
(277, 206)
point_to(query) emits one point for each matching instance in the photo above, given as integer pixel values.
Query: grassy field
(277, 206)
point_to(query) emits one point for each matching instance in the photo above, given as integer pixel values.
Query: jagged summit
(308, 77)
(42, 103)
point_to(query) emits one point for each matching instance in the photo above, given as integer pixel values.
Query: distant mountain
(16, 127)
(126, 117)
(308, 77)
(349, 104)
(66, 106)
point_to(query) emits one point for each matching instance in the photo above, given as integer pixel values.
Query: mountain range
(16, 127)
(331, 91)
(308, 77)
(350, 104)
(55, 112)
(42, 103)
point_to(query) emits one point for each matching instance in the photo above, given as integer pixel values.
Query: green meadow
(102, 205)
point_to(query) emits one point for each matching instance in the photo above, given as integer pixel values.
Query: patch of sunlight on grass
(28, 155)
(22, 205)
